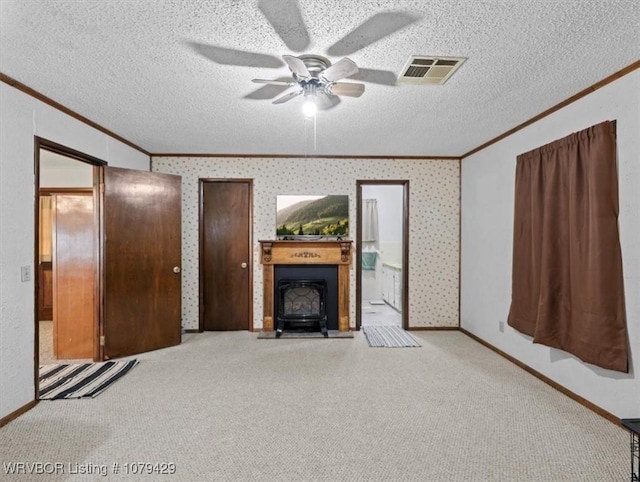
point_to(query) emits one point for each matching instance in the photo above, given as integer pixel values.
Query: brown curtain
(567, 285)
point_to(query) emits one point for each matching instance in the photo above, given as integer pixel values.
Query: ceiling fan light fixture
(309, 108)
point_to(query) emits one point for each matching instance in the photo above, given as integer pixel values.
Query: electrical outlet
(501, 326)
(25, 273)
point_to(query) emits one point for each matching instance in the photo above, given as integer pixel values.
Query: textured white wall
(433, 223)
(21, 118)
(488, 179)
(78, 175)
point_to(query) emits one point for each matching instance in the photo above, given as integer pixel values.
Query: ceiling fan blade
(374, 29)
(375, 76)
(341, 69)
(273, 82)
(288, 94)
(297, 66)
(286, 19)
(226, 56)
(350, 89)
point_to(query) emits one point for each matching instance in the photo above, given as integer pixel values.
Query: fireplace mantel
(279, 252)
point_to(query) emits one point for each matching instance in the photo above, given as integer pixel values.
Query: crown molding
(306, 156)
(56, 105)
(557, 107)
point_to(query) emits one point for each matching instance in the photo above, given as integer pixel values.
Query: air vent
(429, 70)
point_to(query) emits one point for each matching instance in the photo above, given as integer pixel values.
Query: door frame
(201, 182)
(405, 246)
(41, 143)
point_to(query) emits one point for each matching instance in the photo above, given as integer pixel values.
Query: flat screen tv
(312, 217)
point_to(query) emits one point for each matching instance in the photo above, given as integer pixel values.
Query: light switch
(25, 273)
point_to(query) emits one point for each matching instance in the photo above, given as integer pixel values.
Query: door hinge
(102, 187)
(102, 341)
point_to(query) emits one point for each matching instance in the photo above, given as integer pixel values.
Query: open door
(141, 228)
(74, 275)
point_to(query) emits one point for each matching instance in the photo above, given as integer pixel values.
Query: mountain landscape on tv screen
(327, 216)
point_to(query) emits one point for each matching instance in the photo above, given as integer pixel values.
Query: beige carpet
(45, 341)
(227, 406)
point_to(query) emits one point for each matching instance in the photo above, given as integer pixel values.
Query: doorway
(66, 257)
(382, 286)
(226, 268)
(73, 276)
(132, 221)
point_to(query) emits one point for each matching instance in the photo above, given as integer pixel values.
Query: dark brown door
(141, 261)
(45, 275)
(45, 291)
(225, 255)
(74, 276)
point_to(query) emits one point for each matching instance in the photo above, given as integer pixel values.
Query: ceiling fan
(315, 77)
(312, 75)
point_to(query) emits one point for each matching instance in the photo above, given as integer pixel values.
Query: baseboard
(433, 328)
(16, 413)
(192, 331)
(574, 396)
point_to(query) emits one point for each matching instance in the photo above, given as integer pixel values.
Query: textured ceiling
(159, 72)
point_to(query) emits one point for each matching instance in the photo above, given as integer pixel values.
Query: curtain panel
(370, 220)
(567, 284)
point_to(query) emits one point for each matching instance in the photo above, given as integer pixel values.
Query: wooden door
(45, 290)
(74, 276)
(141, 261)
(225, 255)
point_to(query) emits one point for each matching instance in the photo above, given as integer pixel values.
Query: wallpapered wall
(433, 223)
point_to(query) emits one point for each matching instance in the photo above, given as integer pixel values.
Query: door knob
(243, 265)
(176, 269)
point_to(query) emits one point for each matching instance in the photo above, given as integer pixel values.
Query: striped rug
(389, 337)
(80, 380)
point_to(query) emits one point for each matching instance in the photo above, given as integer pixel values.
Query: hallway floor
(379, 315)
(45, 339)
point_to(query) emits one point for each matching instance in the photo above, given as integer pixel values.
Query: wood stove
(301, 305)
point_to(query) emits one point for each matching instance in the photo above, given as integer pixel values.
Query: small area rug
(268, 335)
(389, 337)
(80, 380)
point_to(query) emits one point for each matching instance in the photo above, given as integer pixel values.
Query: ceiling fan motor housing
(314, 75)
(315, 64)
(311, 87)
